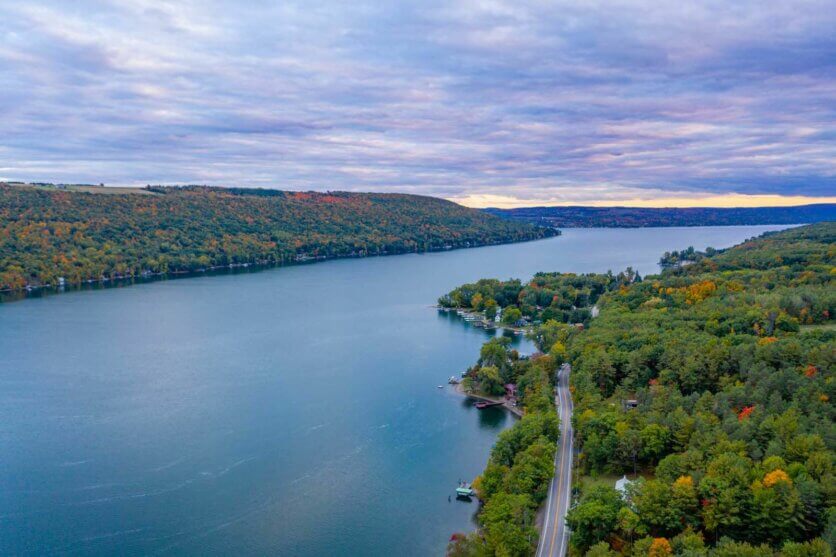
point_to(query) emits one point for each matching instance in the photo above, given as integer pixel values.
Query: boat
(464, 490)
(441, 386)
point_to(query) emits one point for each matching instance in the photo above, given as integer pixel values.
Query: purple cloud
(533, 101)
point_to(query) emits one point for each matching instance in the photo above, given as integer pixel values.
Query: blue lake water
(292, 411)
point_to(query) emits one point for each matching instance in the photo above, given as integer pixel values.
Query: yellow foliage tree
(660, 548)
(776, 476)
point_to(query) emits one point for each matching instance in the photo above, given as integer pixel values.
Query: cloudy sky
(485, 102)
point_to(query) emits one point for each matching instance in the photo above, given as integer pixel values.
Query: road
(554, 539)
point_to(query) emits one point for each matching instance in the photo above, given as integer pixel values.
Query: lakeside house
(510, 390)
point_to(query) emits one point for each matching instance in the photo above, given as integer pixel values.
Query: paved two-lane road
(554, 539)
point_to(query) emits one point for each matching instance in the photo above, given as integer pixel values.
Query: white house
(622, 485)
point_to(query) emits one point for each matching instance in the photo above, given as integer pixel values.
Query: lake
(292, 411)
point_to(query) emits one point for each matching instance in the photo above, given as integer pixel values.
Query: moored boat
(464, 490)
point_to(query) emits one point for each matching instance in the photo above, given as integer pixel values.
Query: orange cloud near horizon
(479, 201)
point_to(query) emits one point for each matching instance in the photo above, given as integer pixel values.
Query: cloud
(525, 100)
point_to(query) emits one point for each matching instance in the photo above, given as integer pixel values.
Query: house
(631, 403)
(622, 485)
(510, 390)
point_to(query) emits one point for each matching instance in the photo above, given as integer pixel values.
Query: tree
(511, 315)
(684, 504)
(775, 507)
(726, 494)
(489, 380)
(476, 302)
(490, 306)
(601, 549)
(532, 470)
(813, 548)
(470, 545)
(689, 544)
(629, 523)
(597, 364)
(508, 521)
(660, 547)
(653, 503)
(552, 332)
(592, 520)
(495, 353)
(654, 440)
(524, 433)
(491, 480)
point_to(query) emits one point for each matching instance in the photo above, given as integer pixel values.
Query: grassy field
(820, 327)
(83, 188)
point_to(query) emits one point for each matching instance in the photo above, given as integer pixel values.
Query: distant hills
(633, 217)
(70, 234)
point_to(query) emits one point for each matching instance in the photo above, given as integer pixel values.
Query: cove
(292, 411)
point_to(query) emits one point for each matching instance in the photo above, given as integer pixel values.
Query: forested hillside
(48, 233)
(730, 362)
(631, 217)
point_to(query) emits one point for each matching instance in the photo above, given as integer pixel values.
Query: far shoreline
(36, 291)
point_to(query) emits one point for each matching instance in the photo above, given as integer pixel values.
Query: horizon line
(503, 202)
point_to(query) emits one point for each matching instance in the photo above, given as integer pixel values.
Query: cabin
(510, 390)
(631, 403)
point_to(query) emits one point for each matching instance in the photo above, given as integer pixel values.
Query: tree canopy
(730, 360)
(48, 233)
(728, 365)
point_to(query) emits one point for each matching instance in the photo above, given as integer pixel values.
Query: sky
(488, 103)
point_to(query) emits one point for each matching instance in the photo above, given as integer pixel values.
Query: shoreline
(479, 315)
(35, 290)
(514, 410)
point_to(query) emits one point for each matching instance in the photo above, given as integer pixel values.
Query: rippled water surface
(292, 411)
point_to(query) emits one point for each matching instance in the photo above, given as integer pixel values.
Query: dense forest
(728, 364)
(709, 385)
(48, 233)
(633, 217)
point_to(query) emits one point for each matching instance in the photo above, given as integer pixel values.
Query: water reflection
(518, 341)
(492, 418)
